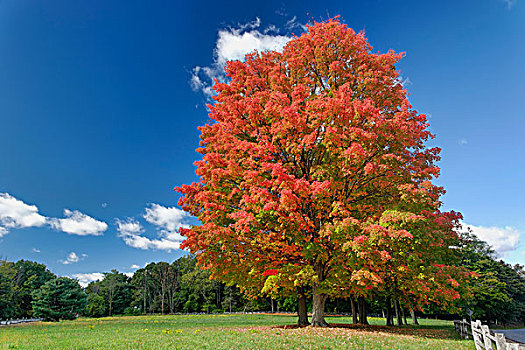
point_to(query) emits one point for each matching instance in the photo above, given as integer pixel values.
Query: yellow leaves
(271, 285)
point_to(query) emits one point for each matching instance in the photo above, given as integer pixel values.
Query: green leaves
(59, 298)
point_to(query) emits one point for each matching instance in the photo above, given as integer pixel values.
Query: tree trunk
(398, 313)
(302, 311)
(389, 319)
(355, 320)
(404, 315)
(362, 310)
(145, 281)
(162, 303)
(414, 318)
(318, 310)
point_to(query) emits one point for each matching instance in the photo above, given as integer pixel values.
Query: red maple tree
(310, 155)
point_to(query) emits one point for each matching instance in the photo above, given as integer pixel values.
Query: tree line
(496, 293)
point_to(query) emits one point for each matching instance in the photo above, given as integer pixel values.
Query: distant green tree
(60, 298)
(8, 307)
(498, 290)
(95, 306)
(6, 296)
(19, 280)
(29, 276)
(117, 292)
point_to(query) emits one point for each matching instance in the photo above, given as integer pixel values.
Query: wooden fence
(483, 338)
(22, 320)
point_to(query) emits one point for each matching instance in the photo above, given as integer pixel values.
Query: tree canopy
(315, 173)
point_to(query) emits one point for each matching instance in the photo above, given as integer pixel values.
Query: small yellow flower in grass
(145, 330)
(178, 331)
(167, 331)
(196, 331)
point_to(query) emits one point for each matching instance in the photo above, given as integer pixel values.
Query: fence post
(464, 324)
(476, 336)
(500, 341)
(486, 339)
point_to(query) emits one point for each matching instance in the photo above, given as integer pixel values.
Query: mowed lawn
(257, 331)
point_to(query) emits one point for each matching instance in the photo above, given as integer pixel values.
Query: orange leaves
(315, 156)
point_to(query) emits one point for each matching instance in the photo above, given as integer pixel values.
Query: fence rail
(18, 321)
(484, 338)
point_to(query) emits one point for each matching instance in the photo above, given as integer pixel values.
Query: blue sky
(100, 103)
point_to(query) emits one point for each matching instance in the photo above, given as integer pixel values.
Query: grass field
(226, 332)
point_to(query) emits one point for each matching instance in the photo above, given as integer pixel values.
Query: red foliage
(314, 162)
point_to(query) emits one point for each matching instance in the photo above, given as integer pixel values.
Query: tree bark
(355, 320)
(404, 315)
(362, 311)
(414, 318)
(302, 311)
(389, 319)
(398, 313)
(318, 310)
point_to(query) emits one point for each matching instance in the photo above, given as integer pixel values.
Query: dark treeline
(29, 289)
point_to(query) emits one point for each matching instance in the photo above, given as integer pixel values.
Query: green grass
(226, 332)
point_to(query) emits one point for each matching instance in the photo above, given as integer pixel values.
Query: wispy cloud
(233, 44)
(404, 81)
(502, 239)
(510, 3)
(134, 266)
(463, 141)
(34, 250)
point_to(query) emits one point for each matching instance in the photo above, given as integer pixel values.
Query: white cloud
(463, 141)
(502, 239)
(129, 227)
(34, 250)
(71, 258)
(85, 278)
(16, 214)
(104, 205)
(130, 231)
(168, 221)
(234, 44)
(77, 223)
(134, 266)
(144, 243)
(129, 274)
